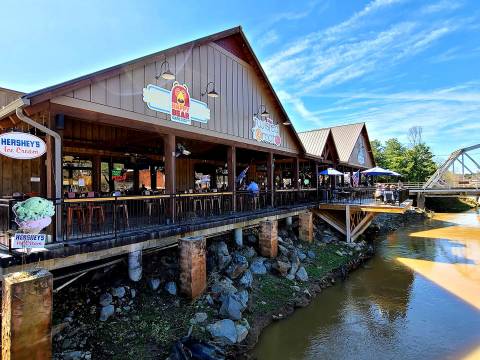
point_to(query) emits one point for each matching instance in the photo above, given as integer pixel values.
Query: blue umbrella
(330, 172)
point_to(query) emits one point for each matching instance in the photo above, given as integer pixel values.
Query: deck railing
(107, 217)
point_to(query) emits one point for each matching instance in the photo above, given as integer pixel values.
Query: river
(418, 298)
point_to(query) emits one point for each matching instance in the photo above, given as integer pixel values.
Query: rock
(118, 292)
(87, 355)
(238, 266)
(105, 299)
(153, 283)
(283, 250)
(339, 253)
(223, 288)
(73, 355)
(301, 255)
(242, 332)
(311, 254)
(106, 312)
(296, 288)
(224, 330)
(231, 308)
(223, 255)
(171, 288)
(133, 293)
(290, 277)
(249, 252)
(209, 299)
(301, 274)
(252, 239)
(257, 267)
(295, 263)
(281, 267)
(243, 298)
(199, 318)
(247, 279)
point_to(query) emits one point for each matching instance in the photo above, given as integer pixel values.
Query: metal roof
(345, 138)
(314, 141)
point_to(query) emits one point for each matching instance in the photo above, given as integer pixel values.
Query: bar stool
(73, 212)
(123, 207)
(92, 209)
(216, 200)
(197, 203)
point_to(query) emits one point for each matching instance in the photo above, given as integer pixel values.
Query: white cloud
(270, 37)
(440, 6)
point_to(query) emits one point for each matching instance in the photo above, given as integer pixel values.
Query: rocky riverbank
(107, 316)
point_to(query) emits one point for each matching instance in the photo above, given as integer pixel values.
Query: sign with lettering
(177, 103)
(266, 130)
(28, 241)
(20, 145)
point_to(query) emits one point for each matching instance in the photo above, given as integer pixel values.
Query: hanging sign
(18, 145)
(177, 103)
(266, 130)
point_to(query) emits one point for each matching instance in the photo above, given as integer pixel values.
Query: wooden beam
(232, 173)
(270, 177)
(330, 220)
(347, 224)
(170, 176)
(362, 225)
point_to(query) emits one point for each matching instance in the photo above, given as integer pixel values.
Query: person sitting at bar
(143, 189)
(253, 188)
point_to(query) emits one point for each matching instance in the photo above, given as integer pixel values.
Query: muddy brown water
(418, 298)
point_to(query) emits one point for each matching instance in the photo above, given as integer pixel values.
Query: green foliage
(414, 162)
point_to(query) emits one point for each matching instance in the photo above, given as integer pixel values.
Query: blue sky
(391, 63)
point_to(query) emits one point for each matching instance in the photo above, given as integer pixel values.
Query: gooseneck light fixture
(262, 113)
(212, 93)
(166, 74)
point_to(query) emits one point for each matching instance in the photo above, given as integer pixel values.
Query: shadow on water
(412, 300)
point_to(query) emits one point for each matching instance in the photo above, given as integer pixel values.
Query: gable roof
(345, 137)
(314, 141)
(244, 50)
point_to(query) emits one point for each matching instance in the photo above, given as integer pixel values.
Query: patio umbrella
(330, 172)
(377, 171)
(393, 173)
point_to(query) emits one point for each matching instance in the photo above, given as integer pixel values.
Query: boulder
(301, 255)
(247, 279)
(105, 299)
(106, 312)
(281, 267)
(223, 255)
(257, 267)
(73, 355)
(171, 288)
(238, 266)
(118, 292)
(283, 250)
(242, 296)
(199, 318)
(295, 263)
(301, 274)
(223, 288)
(311, 254)
(153, 283)
(224, 331)
(249, 252)
(133, 293)
(242, 332)
(231, 308)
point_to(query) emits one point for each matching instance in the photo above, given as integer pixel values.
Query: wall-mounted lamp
(212, 93)
(263, 113)
(167, 74)
(287, 123)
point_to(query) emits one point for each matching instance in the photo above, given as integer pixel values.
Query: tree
(378, 152)
(394, 153)
(415, 135)
(419, 163)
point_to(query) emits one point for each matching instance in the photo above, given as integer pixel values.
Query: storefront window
(122, 178)
(105, 178)
(77, 174)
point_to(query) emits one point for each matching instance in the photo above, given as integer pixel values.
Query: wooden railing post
(232, 174)
(270, 179)
(170, 178)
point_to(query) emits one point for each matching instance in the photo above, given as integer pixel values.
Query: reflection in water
(418, 298)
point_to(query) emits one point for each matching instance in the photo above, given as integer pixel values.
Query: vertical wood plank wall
(241, 91)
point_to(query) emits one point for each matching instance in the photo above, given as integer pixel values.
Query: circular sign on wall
(18, 145)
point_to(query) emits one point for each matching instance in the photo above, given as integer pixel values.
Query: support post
(270, 179)
(170, 178)
(296, 173)
(238, 236)
(347, 223)
(27, 315)
(288, 221)
(135, 265)
(193, 265)
(232, 174)
(421, 201)
(305, 226)
(268, 238)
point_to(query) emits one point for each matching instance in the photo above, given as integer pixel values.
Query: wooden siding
(7, 96)
(241, 92)
(15, 175)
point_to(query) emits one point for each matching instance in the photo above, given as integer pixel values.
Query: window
(77, 174)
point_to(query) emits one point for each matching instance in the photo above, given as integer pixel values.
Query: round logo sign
(23, 146)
